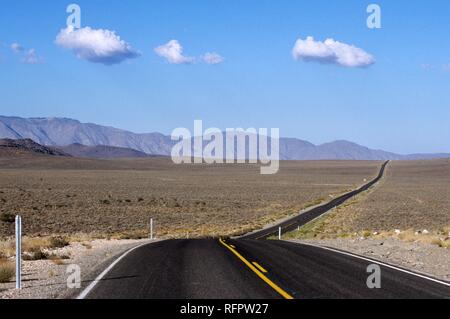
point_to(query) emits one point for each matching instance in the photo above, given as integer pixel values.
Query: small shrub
(7, 218)
(35, 254)
(32, 244)
(366, 234)
(55, 257)
(7, 271)
(58, 259)
(438, 242)
(134, 235)
(58, 242)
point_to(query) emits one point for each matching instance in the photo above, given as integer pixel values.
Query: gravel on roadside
(47, 279)
(416, 256)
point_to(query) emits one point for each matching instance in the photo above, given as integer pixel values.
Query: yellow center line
(259, 267)
(257, 272)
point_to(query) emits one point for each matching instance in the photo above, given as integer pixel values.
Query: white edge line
(91, 286)
(376, 262)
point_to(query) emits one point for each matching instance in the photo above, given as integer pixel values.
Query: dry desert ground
(60, 196)
(412, 202)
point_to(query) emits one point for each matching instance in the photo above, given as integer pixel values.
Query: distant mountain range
(63, 132)
(92, 140)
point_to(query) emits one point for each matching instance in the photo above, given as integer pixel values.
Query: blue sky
(400, 103)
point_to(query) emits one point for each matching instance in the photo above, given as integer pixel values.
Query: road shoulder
(418, 257)
(47, 279)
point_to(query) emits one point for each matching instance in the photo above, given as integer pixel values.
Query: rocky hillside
(9, 147)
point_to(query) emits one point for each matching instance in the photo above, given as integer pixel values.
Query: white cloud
(30, 57)
(212, 58)
(16, 48)
(172, 51)
(331, 52)
(96, 45)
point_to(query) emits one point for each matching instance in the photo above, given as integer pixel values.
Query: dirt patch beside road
(47, 279)
(420, 257)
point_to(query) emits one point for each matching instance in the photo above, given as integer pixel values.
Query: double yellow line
(258, 272)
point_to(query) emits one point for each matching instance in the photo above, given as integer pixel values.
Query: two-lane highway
(210, 269)
(306, 217)
(251, 267)
(181, 269)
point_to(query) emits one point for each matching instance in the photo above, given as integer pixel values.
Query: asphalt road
(302, 219)
(207, 269)
(253, 268)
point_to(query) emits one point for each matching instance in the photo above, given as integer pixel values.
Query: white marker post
(18, 252)
(151, 228)
(279, 233)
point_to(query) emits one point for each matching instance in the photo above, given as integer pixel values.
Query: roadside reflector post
(18, 252)
(279, 233)
(151, 228)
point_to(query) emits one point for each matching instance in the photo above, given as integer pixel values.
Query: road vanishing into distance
(252, 267)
